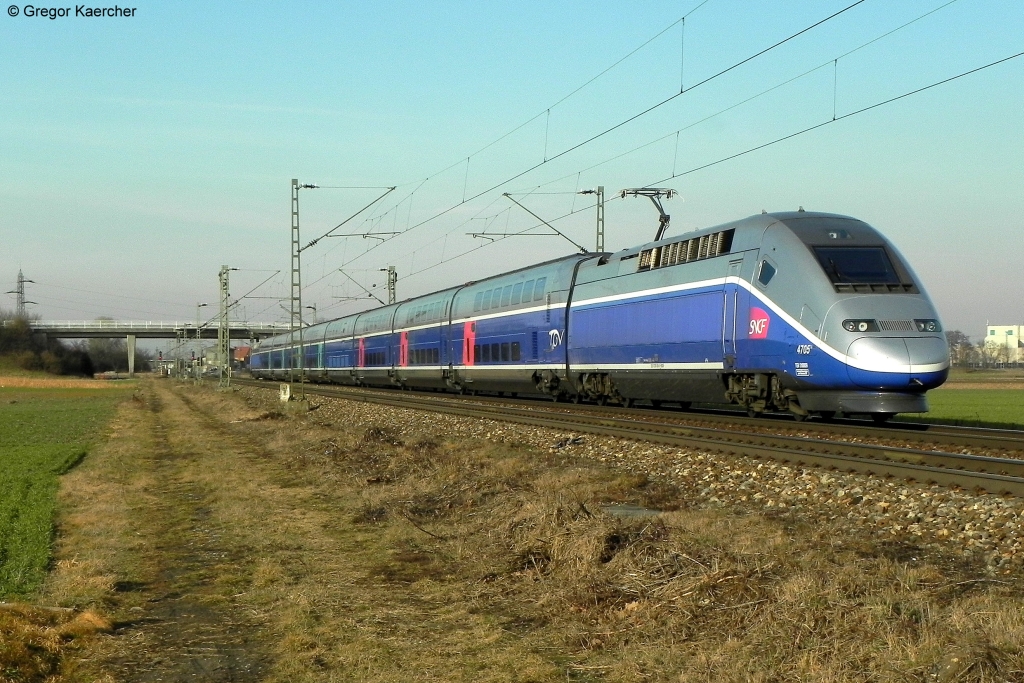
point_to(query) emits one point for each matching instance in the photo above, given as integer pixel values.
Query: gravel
(972, 526)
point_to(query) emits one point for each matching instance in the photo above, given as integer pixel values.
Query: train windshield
(857, 265)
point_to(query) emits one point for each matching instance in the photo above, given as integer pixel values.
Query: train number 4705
(804, 349)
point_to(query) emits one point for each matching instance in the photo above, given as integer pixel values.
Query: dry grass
(348, 549)
(32, 382)
(34, 640)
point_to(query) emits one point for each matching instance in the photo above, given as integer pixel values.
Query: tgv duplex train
(799, 311)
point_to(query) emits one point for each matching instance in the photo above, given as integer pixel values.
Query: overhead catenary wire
(360, 286)
(748, 99)
(624, 122)
(545, 112)
(841, 118)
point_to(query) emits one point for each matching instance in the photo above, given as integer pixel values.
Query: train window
(486, 348)
(506, 351)
(476, 352)
(435, 356)
(527, 291)
(538, 289)
(506, 295)
(516, 353)
(857, 265)
(478, 301)
(766, 273)
(495, 352)
(517, 293)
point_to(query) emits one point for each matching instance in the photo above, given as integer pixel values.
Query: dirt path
(175, 617)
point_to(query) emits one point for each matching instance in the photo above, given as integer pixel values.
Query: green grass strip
(43, 434)
(997, 408)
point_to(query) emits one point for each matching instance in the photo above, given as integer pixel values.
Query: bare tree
(960, 348)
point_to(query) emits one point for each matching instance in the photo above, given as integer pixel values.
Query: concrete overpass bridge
(86, 329)
(133, 330)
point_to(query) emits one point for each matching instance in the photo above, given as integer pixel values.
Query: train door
(730, 307)
(403, 349)
(468, 342)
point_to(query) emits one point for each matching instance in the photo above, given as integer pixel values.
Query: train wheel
(627, 403)
(753, 413)
(881, 418)
(685, 405)
(827, 415)
(655, 403)
(602, 401)
(798, 417)
(576, 398)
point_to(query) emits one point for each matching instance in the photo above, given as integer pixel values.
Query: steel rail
(908, 432)
(995, 475)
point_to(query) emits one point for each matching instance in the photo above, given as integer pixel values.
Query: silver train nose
(897, 362)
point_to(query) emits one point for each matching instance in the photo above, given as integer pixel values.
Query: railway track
(742, 436)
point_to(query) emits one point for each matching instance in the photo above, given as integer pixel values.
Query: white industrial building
(1003, 343)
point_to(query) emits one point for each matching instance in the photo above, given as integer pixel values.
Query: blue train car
(800, 312)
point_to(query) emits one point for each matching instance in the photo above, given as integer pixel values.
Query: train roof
(806, 224)
(757, 222)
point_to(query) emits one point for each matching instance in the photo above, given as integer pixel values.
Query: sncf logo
(758, 324)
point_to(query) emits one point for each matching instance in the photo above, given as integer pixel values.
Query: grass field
(43, 433)
(981, 398)
(1003, 408)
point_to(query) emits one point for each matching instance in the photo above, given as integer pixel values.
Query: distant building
(1003, 343)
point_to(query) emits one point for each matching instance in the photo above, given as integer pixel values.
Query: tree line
(23, 348)
(963, 353)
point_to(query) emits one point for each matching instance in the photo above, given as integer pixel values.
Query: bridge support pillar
(131, 355)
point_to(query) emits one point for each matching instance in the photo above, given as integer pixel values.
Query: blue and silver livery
(800, 312)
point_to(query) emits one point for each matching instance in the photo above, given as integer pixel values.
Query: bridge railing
(129, 325)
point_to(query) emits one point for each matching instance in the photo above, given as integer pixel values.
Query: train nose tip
(897, 362)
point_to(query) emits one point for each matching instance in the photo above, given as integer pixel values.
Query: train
(799, 312)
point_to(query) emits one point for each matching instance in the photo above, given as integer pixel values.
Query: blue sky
(138, 155)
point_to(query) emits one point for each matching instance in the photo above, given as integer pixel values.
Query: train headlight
(860, 326)
(928, 325)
